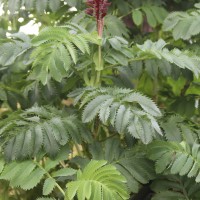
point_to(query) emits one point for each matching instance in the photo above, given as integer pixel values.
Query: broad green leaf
(49, 185)
(137, 17)
(150, 17)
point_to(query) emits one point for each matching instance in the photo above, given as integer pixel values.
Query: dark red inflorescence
(98, 9)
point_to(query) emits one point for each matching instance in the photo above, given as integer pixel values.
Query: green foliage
(56, 46)
(181, 158)
(49, 185)
(25, 174)
(105, 109)
(120, 52)
(28, 174)
(126, 110)
(174, 187)
(155, 15)
(176, 129)
(40, 6)
(12, 48)
(154, 57)
(184, 60)
(125, 161)
(98, 181)
(115, 27)
(26, 133)
(183, 25)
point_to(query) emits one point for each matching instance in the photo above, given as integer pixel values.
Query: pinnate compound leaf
(180, 158)
(184, 25)
(182, 59)
(98, 181)
(126, 110)
(56, 50)
(170, 187)
(24, 174)
(40, 128)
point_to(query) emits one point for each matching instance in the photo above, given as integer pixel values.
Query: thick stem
(98, 78)
(185, 88)
(98, 73)
(99, 53)
(100, 25)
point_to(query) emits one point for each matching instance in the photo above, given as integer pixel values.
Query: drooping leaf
(126, 110)
(40, 128)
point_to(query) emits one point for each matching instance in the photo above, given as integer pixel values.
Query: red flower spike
(98, 9)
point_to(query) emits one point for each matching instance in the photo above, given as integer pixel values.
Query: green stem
(99, 52)
(184, 190)
(49, 176)
(185, 88)
(113, 135)
(60, 189)
(9, 89)
(121, 17)
(98, 73)
(63, 164)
